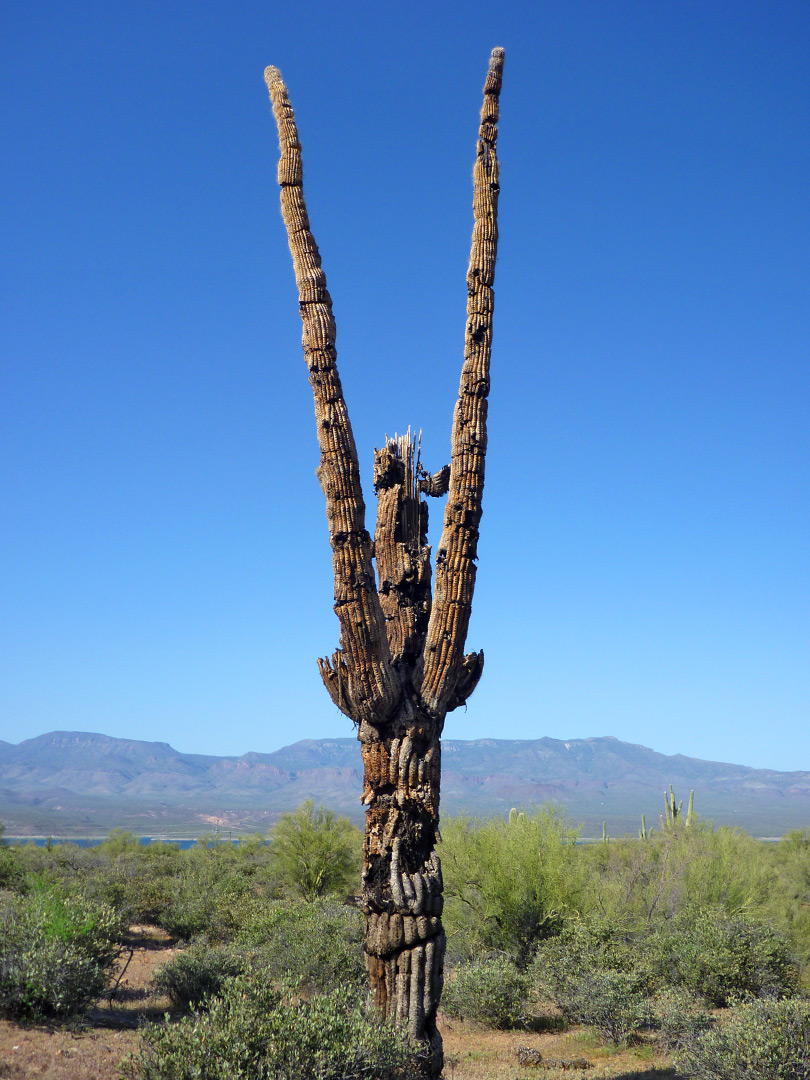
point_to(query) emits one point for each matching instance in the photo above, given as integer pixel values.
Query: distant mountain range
(71, 783)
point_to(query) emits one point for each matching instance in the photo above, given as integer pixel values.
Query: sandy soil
(473, 1053)
(94, 1048)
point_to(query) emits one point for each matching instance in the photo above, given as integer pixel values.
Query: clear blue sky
(644, 557)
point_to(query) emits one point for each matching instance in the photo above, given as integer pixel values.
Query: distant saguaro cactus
(401, 665)
(673, 809)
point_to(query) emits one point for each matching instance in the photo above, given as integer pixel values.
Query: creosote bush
(723, 957)
(256, 1031)
(592, 973)
(199, 973)
(597, 973)
(677, 1017)
(56, 953)
(490, 992)
(313, 946)
(764, 1040)
(12, 872)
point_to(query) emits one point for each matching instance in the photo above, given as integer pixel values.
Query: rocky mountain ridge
(63, 781)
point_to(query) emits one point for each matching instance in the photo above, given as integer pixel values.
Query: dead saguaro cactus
(401, 665)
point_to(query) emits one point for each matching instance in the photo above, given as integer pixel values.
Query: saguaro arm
(447, 675)
(359, 677)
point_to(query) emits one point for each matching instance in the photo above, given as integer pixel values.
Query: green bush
(198, 974)
(12, 872)
(508, 883)
(584, 945)
(139, 881)
(490, 992)
(56, 954)
(591, 972)
(723, 957)
(314, 853)
(615, 1003)
(678, 869)
(764, 1040)
(678, 1017)
(211, 894)
(789, 902)
(255, 1031)
(204, 909)
(314, 946)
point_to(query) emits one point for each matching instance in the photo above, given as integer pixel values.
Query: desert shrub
(764, 1040)
(313, 946)
(146, 894)
(210, 897)
(723, 957)
(588, 944)
(675, 870)
(12, 872)
(255, 1031)
(615, 1003)
(677, 1017)
(42, 976)
(95, 928)
(508, 883)
(56, 953)
(490, 992)
(592, 973)
(135, 880)
(788, 906)
(198, 974)
(138, 880)
(119, 842)
(313, 853)
(197, 912)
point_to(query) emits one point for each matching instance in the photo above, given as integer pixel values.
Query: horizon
(353, 740)
(71, 783)
(643, 555)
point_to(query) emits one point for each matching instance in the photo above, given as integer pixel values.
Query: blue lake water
(86, 842)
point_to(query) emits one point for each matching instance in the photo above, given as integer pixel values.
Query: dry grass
(476, 1053)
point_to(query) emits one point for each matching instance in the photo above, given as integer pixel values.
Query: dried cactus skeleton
(401, 664)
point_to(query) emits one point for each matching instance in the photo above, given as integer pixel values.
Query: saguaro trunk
(401, 664)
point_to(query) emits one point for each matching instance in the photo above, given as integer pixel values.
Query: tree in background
(509, 883)
(401, 665)
(313, 851)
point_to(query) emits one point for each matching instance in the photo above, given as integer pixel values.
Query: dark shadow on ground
(146, 937)
(545, 1022)
(651, 1074)
(120, 1018)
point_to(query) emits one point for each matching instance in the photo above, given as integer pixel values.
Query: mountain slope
(68, 781)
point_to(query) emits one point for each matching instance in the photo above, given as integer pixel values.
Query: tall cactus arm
(360, 677)
(443, 656)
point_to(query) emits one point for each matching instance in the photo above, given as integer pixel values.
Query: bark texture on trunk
(401, 664)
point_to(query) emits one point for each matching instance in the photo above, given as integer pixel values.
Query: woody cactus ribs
(401, 665)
